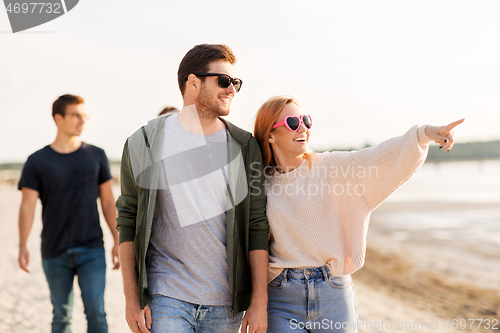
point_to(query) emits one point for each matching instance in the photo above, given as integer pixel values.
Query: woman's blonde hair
(267, 115)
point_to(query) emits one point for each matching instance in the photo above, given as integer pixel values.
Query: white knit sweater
(319, 214)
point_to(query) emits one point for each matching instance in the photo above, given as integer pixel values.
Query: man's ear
(58, 118)
(193, 82)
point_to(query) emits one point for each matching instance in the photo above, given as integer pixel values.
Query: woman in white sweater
(318, 206)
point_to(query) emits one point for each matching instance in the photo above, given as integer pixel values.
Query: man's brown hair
(60, 104)
(199, 58)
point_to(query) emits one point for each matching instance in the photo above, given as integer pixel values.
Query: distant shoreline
(10, 172)
(461, 152)
(428, 160)
(467, 151)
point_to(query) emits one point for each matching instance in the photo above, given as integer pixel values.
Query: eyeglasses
(224, 80)
(293, 122)
(79, 116)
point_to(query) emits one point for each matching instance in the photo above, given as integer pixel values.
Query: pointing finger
(452, 125)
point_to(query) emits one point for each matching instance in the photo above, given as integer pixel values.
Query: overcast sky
(365, 70)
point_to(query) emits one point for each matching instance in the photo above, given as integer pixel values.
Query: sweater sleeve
(382, 169)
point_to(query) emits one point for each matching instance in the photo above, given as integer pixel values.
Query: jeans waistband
(306, 273)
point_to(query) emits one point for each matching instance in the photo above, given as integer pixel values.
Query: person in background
(318, 206)
(168, 109)
(68, 176)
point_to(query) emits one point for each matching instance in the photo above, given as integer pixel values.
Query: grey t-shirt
(187, 257)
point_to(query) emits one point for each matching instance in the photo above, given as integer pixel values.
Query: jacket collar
(156, 125)
(239, 135)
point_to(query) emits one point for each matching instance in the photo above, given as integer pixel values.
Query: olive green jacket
(247, 225)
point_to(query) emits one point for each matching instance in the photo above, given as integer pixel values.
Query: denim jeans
(311, 300)
(170, 315)
(90, 266)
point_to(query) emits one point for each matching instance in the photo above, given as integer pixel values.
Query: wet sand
(390, 290)
(409, 280)
(411, 277)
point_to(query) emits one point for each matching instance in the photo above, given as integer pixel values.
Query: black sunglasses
(224, 80)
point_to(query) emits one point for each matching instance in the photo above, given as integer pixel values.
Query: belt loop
(325, 274)
(285, 273)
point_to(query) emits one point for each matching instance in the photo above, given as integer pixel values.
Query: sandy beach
(412, 277)
(412, 281)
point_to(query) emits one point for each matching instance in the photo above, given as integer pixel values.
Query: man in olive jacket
(191, 215)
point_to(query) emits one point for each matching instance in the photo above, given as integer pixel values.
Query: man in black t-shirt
(68, 176)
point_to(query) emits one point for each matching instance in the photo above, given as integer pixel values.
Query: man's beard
(209, 107)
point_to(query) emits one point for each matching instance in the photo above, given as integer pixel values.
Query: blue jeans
(90, 266)
(170, 315)
(311, 300)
